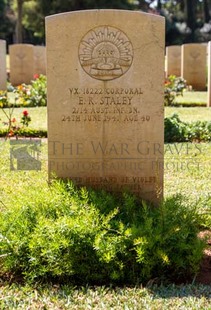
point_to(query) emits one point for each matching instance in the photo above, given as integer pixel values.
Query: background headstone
(3, 70)
(173, 60)
(209, 76)
(21, 63)
(40, 60)
(105, 100)
(194, 63)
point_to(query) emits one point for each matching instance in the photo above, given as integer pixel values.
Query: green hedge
(189, 104)
(175, 131)
(179, 131)
(26, 132)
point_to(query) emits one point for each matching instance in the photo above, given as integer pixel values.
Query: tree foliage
(186, 20)
(7, 24)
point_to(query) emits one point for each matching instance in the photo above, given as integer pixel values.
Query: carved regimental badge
(105, 53)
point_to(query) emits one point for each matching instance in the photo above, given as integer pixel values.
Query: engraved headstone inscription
(194, 64)
(21, 63)
(105, 100)
(3, 70)
(173, 60)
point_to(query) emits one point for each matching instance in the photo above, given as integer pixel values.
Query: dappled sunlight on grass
(38, 117)
(187, 171)
(191, 97)
(191, 114)
(14, 183)
(67, 297)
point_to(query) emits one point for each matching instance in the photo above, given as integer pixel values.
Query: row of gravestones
(190, 62)
(26, 60)
(193, 63)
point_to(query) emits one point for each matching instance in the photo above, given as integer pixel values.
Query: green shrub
(34, 94)
(176, 130)
(174, 86)
(199, 131)
(204, 204)
(93, 237)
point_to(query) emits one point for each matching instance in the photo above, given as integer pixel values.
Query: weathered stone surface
(3, 70)
(21, 63)
(39, 60)
(105, 100)
(209, 76)
(173, 60)
(194, 62)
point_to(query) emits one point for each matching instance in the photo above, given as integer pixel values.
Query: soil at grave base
(204, 275)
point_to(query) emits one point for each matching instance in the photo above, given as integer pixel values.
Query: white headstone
(21, 63)
(173, 60)
(40, 60)
(105, 100)
(194, 65)
(209, 76)
(3, 70)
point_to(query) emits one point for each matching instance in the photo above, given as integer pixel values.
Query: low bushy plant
(175, 130)
(174, 86)
(178, 131)
(199, 131)
(34, 94)
(204, 204)
(13, 126)
(3, 99)
(85, 236)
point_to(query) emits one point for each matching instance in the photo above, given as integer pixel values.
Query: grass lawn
(39, 115)
(99, 298)
(199, 97)
(187, 171)
(191, 114)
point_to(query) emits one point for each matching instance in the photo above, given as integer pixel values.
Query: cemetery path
(204, 275)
